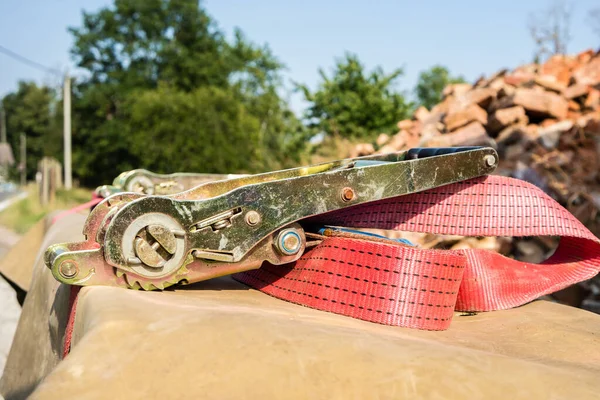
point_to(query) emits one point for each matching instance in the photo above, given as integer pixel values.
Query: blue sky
(470, 37)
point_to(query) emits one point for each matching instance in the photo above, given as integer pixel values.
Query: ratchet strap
(393, 283)
(396, 284)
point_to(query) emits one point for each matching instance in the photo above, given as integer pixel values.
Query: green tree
(136, 43)
(229, 140)
(431, 84)
(139, 50)
(35, 111)
(353, 103)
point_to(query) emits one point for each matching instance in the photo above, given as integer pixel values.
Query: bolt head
(490, 160)
(348, 194)
(252, 218)
(289, 242)
(68, 269)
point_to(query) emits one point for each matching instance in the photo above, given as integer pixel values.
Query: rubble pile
(544, 121)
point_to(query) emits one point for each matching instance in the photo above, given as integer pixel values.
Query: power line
(29, 62)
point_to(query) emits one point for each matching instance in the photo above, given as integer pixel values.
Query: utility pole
(2, 123)
(67, 130)
(23, 160)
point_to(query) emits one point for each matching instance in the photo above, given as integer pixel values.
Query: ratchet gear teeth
(135, 286)
(147, 285)
(139, 283)
(132, 282)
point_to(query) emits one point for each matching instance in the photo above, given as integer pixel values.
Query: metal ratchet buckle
(141, 241)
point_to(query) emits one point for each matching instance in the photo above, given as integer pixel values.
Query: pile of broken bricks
(544, 120)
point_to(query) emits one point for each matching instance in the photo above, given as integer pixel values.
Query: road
(8, 190)
(9, 307)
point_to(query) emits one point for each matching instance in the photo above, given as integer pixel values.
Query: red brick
(576, 91)
(405, 124)
(415, 129)
(455, 120)
(456, 89)
(540, 104)
(517, 80)
(593, 99)
(400, 141)
(497, 84)
(382, 139)
(362, 149)
(549, 82)
(498, 76)
(506, 90)
(585, 56)
(473, 134)
(504, 117)
(480, 96)
(588, 74)
(548, 122)
(521, 75)
(421, 114)
(429, 131)
(560, 67)
(574, 106)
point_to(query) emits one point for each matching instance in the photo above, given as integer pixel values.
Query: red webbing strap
(416, 288)
(73, 297)
(95, 200)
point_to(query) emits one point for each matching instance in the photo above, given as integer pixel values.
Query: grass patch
(23, 214)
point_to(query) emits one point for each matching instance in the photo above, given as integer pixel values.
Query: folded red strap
(416, 288)
(73, 297)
